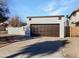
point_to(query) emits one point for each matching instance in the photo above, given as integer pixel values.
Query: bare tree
(15, 22)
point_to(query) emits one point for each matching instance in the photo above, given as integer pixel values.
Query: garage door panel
(45, 30)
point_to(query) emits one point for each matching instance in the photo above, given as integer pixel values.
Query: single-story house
(51, 26)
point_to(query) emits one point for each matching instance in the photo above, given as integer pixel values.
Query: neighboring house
(74, 18)
(3, 27)
(51, 26)
(74, 23)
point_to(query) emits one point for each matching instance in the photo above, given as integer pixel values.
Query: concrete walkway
(43, 47)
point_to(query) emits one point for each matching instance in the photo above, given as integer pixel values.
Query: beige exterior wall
(74, 19)
(49, 20)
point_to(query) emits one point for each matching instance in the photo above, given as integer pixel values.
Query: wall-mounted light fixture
(73, 23)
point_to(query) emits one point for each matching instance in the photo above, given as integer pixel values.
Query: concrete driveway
(41, 47)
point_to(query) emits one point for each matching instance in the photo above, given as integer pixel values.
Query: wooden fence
(74, 31)
(67, 31)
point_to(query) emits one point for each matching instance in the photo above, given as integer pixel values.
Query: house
(74, 23)
(74, 18)
(51, 26)
(3, 27)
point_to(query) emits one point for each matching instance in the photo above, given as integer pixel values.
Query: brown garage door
(45, 30)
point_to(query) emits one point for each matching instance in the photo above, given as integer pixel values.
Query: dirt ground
(71, 50)
(41, 47)
(4, 42)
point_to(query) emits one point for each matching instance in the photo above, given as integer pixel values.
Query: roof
(4, 23)
(77, 10)
(45, 16)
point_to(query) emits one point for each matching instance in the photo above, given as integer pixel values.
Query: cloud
(58, 11)
(49, 6)
(67, 2)
(56, 7)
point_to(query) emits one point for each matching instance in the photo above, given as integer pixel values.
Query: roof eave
(45, 16)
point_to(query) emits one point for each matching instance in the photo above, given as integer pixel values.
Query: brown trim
(45, 16)
(29, 18)
(60, 18)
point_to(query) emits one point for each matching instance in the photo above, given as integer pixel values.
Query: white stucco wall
(16, 30)
(49, 20)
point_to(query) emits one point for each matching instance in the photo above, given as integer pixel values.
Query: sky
(25, 8)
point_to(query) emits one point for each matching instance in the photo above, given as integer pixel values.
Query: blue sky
(24, 8)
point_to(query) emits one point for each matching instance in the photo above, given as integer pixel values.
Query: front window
(77, 23)
(74, 14)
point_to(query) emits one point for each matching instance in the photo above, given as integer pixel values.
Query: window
(77, 23)
(29, 18)
(74, 14)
